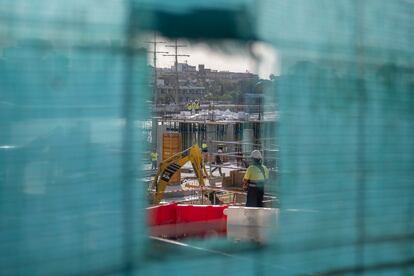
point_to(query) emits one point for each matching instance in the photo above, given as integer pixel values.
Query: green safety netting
(73, 100)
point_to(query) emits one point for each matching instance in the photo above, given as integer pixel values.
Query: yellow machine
(169, 166)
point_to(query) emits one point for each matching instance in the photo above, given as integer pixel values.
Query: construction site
(201, 148)
(230, 141)
(219, 181)
(142, 137)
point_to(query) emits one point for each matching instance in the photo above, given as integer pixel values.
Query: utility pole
(154, 129)
(155, 52)
(176, 55)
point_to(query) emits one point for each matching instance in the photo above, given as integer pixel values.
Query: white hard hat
(220, 151)
(256, 154)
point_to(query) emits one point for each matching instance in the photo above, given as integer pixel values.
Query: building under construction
(230, 137)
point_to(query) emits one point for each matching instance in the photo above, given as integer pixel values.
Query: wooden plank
(171, 144)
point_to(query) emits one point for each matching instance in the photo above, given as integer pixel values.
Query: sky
(227, 56)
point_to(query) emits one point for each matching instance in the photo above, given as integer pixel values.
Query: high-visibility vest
(154, 156)
(256, 174)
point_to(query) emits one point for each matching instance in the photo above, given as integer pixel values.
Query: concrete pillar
(247, 138)
(160, 130)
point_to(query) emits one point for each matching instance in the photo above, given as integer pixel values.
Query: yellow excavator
(169, 166)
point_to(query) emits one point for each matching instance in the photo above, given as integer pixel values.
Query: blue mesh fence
(73, 99)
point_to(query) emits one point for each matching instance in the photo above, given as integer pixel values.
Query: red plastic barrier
(174, 220)
(163, 214)
(199, 220)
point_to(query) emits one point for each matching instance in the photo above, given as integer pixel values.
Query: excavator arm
(169, 166)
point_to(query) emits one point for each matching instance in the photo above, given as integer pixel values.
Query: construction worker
(254, 180)
(204, 149)
(190, 106)
(218, 162)
(154, 159)
(196, 106)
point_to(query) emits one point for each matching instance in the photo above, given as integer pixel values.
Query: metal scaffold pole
(154, 130)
